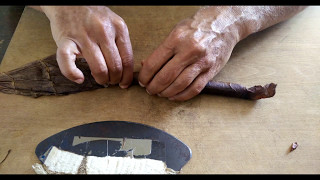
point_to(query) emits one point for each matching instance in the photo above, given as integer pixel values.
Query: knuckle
(115, 69)
(197, 49)
(178, 30)
(197, 89)
(120, 23)
(205, 63)
(164, 78)
(177, 35)
(100, 71)
(179, 84)
(148, 66)
(98, 23)
(62, 53)
(169, 47)
(127, 57)
(127, 61)
(176, 38)
(68, 73)
(182, 83)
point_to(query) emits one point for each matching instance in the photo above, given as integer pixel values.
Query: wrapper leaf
(239, 91)
(43, 77)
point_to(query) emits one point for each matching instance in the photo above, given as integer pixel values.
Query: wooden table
(226, 135)
(9, 18)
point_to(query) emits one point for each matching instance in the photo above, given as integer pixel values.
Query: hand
(97, 34)
(192, 54)
(199, 47)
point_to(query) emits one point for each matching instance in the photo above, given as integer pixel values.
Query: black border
(158, 2)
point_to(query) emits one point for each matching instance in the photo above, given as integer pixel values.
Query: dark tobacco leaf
(43, 77)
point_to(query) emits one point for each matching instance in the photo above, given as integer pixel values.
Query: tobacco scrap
(6, 156)
(43, 77)
(294, 146)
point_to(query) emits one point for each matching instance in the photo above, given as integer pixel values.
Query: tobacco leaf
(43, 77)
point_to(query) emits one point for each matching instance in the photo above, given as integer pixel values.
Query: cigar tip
(259, 92)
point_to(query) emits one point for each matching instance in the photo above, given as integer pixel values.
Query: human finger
(186, 77)
(95, 59)
(113, 60)
(154, 63)
(193, 89)
(168, 73)
(67, 52)
(125, 50)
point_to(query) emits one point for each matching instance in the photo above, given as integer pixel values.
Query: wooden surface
(226, 135)
(9, 18)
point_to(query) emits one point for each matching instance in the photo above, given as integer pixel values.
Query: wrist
(49, 11)
(251, 19)
(220, 20)
(233, 22)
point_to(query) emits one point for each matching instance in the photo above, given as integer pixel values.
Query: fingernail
(79, 81)
(141, 84)
(123, 86)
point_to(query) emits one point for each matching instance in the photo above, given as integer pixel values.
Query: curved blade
(119, 138)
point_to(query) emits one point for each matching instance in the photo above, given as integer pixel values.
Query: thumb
(66, 56)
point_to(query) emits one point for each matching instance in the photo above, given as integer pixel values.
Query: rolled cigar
(43, 77)
(239, 91)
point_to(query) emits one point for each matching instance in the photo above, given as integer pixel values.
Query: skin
(95, 33)
(193, 53)
(199, 47)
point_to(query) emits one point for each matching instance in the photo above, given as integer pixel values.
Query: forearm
(51, 11)
(258, 18)
(242, 21)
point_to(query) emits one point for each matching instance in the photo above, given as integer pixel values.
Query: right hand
(97, 34)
